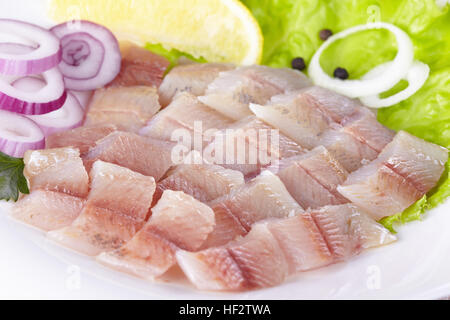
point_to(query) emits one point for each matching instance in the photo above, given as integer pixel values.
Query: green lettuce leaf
(291, 29)
(173, 55)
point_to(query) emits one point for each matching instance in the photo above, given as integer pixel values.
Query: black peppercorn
(298, 64)
(325, 34)
(341, 73)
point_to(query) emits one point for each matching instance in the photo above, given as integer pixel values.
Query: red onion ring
(45, 56)
(69, 116)
(15, 48)
(19, 134)
(48, 99)
(97, 68)
(82, 56)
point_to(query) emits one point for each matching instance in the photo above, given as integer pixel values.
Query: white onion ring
(19, 134)
(109, 58)
(359, 88)
(45, 56)
(416, 77)
(69, 116)
(48, 99)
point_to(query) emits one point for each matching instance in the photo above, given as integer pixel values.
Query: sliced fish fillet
(406, 170)
(301, 242)
(226, 229)
(82, 138)
(147, 156)
(233, 91)
(350, 152)
(255, 261)
(116, 209)
(277, 248)
(250, 145)
(312, 178)
(48, 210)
(128, 108)
(97, 230)
(348, 230)
(58, 170)
(418, 161)
(186, 114)
(379, 190)
(193, 78)
(140, 67)
(262, 198)
(120, 189)
(365, 128)
(356, 119)
(204, 182)
(178, 222)
(335, 106)
(313, 116)
(292, 122)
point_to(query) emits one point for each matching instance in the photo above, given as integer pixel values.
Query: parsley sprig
(12, 180)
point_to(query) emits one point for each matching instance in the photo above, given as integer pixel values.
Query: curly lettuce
(291, 29)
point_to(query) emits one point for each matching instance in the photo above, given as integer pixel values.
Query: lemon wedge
(217, 30)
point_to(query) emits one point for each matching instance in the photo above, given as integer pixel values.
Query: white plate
(417, 266)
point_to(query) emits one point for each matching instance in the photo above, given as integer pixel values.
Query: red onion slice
(83, 97)
(82, 56)
(69, 116)
(19, 134)
(15, 48)
(45, 55)
(98, 65)
(50, 98)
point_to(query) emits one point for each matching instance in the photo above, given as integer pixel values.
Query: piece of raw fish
(120, 189)
(379, 190)
(348, 230)
(193, 78)
(185, 115)
(324, 108)
(350, 152)
(365, 128)
(97, 230)
(295, 122)
(48, 210)
(147, 156)
(178, 221)
(233, 91)
(249, 146)
(111, 215)
(58, 170)
(405, 171)
(128, 108)
(277, 248)
(202, 181)
(262, 198)
(313, 117)
(335, 106)
(140, 67)
(227, 228)
(82, 138)
(312, 178)
(301, 242)
(255, 261)
(416, 160)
